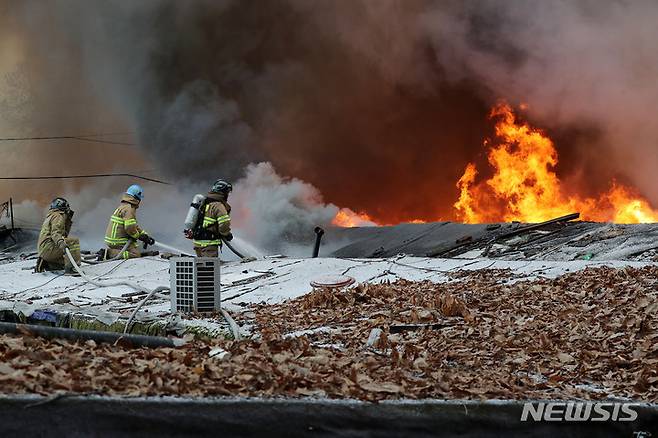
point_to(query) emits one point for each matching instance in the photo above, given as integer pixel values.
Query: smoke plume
(377, 103)
(274, 213)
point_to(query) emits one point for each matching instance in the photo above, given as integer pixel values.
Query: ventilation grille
(194, 284)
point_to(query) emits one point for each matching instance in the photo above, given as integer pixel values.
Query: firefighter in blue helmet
(123, 227)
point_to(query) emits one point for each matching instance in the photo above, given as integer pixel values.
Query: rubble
(560, 239)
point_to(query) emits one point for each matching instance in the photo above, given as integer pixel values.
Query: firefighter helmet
(60, 204)
(221, 186)
(136, 192)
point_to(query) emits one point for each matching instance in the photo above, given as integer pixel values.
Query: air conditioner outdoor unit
(194, 284)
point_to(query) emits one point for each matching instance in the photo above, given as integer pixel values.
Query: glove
(62, 245)
(188, 234)
(147, 239)
(228, 237)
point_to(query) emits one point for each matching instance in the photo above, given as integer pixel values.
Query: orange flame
(349, 219)
(525, 187)
(465, 203)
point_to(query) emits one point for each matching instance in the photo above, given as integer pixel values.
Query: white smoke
(278, 213)
(270, 212)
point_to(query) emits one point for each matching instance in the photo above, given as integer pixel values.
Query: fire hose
(125, 247)
(232, 248)
(100, 283)
(154, 292)
(130, 284)
(116, 257)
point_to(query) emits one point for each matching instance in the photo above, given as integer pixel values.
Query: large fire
(525, 187)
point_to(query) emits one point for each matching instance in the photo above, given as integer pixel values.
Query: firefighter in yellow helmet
(123, 227)
(54, 239)
(215, 221)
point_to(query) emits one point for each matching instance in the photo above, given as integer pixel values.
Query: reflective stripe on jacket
(216, 219)
(123, 223)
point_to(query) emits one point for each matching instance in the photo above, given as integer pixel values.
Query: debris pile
(559, 239)
(590, 334)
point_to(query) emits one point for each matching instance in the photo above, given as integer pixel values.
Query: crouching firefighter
(208, 221)
(123, 228)
(54, 239)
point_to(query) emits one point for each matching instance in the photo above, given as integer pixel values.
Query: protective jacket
(123, 227)
(54, 231)
(216, 221)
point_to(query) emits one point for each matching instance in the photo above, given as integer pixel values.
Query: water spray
(172, 249)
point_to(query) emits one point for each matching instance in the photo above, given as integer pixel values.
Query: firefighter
(215, 221)
(54, 239)
(123, 227)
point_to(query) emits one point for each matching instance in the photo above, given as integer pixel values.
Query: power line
(89, 138)
(99, 175)
(96, 140)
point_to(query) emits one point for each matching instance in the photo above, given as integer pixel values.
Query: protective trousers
(207, 251)
(57, 259)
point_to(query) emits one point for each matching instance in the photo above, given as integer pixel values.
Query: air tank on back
(193, 213)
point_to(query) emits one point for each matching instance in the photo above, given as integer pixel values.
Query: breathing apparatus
(193, 214)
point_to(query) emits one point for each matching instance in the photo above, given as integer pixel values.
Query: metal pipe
(98, 336)
(319, 232)
(11, 212)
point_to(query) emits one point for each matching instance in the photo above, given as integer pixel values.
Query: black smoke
(378, 103)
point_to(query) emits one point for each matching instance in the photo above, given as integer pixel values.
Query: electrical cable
(99, 175)
(96, 140)
(111, 270)
(36, 287)
(89, 138)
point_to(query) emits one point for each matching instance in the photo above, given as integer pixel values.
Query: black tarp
(234, 417)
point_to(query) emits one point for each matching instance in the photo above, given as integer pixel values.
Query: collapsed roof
(558, 239)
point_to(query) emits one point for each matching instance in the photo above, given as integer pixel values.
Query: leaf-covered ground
(589, 334)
